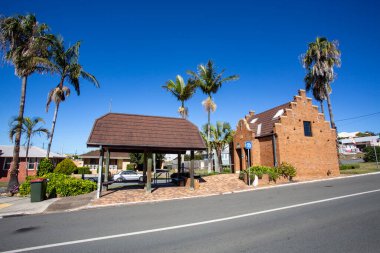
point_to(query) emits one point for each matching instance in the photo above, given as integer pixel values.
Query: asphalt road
(330, 216)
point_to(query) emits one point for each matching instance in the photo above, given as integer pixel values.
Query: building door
(240, 158)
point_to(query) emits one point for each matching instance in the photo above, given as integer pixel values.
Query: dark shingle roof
(113, 155)
(131, 131)
(266, 120)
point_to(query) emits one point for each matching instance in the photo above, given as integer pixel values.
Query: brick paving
(216, 184)
(210, 185)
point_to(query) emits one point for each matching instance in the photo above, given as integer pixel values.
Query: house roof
(34, 152)
(113, 155)
(141, 132)
(359, 139)
(262, 124)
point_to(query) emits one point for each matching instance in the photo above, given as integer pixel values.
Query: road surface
(330, 216)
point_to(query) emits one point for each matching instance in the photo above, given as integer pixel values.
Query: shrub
(349, 166)
(82, 170)
(226, 170)
(273, 174)
(131, 166)
(287, 170)
(369, 154)
(65, 167)
(259, 171)
(61, 185)
(45, 166)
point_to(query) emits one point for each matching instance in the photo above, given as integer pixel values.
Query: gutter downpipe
(274, 150)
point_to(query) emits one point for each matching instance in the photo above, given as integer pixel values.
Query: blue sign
(248, 145)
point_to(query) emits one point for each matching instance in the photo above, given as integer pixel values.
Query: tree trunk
(26, 157)
(52, 130)
(219, 154)
(330, 109)
(209, 168)
(322, 108)
(13, 179)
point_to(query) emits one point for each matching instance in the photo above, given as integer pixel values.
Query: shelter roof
(130, 132)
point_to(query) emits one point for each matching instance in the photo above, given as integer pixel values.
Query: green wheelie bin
(38, 189)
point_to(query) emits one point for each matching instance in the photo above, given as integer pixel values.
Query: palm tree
(65, 63)
(29, 129)
(182, 92)
(22, 41)
(209, 81)
(319, 61)
(221, 137)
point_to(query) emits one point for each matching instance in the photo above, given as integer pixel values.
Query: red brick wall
(4, 174)
(312, 156)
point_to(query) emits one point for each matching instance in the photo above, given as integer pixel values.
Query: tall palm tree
(23, 44)
(182, 92)
(29, 129)
(209, 81)
(221, 137)
(319, 61)
(66, 64)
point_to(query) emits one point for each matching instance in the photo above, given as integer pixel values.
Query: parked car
(127, 175)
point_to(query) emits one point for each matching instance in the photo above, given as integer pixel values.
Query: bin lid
(37, 180)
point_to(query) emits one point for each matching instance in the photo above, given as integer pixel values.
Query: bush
(66, 167)
(61, 185)
(226, 170)
(273, 174)
(349, 166)
(45, 166)
(369, 154)
(131, 166)
(287, 170)
(82, 170)
(259, 171)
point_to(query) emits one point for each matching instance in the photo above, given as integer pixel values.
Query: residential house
(34, 157)
(294, 132)
(118, 161)
(357, 144)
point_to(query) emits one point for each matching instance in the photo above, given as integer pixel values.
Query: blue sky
(134, 47)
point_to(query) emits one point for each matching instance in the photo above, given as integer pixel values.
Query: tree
(182, 92)
(366, 133)
(24, 45)
(209, 81)
(319, 61)
(221, 137)
(29, 128)
(138, 159)
(65, 63)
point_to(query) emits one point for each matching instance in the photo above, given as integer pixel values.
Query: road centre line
(189, 224)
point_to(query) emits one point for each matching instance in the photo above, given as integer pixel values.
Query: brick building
(294, 132)
(34, 157)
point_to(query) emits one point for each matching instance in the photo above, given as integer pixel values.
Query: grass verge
(364, 168)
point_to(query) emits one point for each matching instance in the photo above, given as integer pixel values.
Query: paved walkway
(13, 206)
(210, 185)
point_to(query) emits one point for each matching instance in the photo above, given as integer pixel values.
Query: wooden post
(179, 165)
(100, 169)
(145, 167)
(154, 162)
(149, 176)
(192, 170)
(107, 166)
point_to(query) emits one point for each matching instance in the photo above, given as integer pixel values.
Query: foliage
(67, 167)
(226, 170)
(259, 170)
(182, 92)
(366, 133)
(82, 170)
(45, 167)
(29, 128)
(61, 185)
(349, 166)
(197, 156)
(138, 159)
(287, 170)
(131, 166)
(369, 154)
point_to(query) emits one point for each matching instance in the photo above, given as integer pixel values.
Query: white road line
(189, 224)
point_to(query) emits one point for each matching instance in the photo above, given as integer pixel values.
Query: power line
(361, 116)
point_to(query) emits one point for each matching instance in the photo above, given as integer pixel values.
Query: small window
(307, 128)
